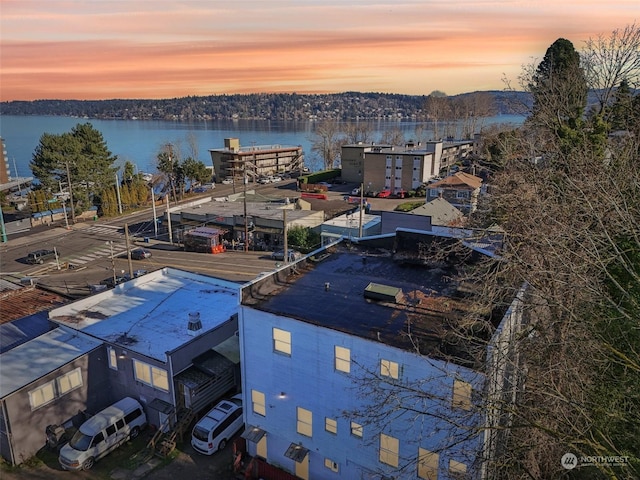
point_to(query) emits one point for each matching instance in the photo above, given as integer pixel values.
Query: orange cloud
(137, 49)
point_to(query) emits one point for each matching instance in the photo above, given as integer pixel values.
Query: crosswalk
(105, 230)
(96, 253)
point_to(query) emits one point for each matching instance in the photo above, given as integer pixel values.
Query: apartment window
(69, 381)
(343, 359)
(152, 376)
(113, 358)
(457, 469)
(427, 464)
(433, 192)
(259, 404)
(304, 422)
(282, 341)
(389, 447)
(331, 465)
(462, 194)
(461, 395)
(356, 429)
(42, 395)
(389, 368)
(331, 425)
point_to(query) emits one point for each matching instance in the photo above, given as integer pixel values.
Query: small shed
(204, 240)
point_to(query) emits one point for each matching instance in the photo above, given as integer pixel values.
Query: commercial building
(256, 161)
(352, 368)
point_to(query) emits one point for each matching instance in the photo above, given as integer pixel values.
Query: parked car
(326, 184)
(264, 180)
(40, 256)
(102, 433)
(111, 282)
(292, 254)
(355, 191)
(140, 254)
(227, 181)
(400, 194)
(384, 194)
(215, 429)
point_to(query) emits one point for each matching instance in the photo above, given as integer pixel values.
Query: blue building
(353, 365)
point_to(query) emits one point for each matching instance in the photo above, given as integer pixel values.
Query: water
(140, 141)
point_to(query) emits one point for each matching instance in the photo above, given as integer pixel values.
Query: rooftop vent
(195, 325)
(386, 293)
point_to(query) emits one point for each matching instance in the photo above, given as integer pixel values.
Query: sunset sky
(101, 49)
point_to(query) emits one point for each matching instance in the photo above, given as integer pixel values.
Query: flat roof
(330, 292)
(32, 360)
(272, 211)
(149, 314)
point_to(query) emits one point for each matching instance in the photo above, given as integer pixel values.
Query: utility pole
(155, 217)
(361, 208)
(113, 262)
(246, 219)
(64, 208)
(169, 222)
(126, 239)
(284, 233)
(73, 209)
(2, 226)
(118, 192)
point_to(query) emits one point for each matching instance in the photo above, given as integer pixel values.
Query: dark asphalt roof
(330, 293)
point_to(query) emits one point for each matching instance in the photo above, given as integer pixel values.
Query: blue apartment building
(352, 366)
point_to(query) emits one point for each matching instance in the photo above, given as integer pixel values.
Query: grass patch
(408, 206)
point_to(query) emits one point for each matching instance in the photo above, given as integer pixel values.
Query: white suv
(216, 428)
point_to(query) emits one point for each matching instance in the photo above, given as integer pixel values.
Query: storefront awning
(253, 434)
(296, 452)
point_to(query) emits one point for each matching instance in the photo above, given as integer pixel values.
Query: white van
(216, 428)
(103, 433)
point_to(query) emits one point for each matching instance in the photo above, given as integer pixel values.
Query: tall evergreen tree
(559, 89)
(79, 158)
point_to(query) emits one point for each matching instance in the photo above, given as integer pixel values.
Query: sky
(150, 49)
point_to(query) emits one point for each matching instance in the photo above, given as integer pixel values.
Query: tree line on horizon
(345, 106)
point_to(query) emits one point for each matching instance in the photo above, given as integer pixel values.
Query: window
(427, 464)
(389, 368)
(131, 416)
(282, 341)
(160, 379)
(434, 192)
(343, 359)
(97, 439)
(356, 429)
(42, 395)
(462, 194)
(457, 469)
(330, 425)
(69, 381)
(461, 395)
(331, 465)
(304, 422)
(111, 429)
(389, 447)
(113, 358)
(155, 377)
(259, 404)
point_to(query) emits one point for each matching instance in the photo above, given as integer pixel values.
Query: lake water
(140, 141)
